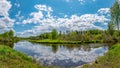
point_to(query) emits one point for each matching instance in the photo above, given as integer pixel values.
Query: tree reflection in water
(70, 47)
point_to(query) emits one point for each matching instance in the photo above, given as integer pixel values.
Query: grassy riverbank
(110, 60)
(10, 58)
(49, 41)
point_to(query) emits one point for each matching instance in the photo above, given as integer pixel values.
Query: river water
(62, 55)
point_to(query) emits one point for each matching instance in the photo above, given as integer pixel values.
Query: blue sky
(33, 17)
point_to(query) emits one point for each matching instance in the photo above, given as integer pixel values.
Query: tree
(48, 35)
(111, 28)
(54, 34)
(11, 33)
(115, 14)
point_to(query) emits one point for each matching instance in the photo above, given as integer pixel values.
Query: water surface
(62, 55)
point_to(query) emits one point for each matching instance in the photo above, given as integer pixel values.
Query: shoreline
(10, 58)
(63, 42)
(109, 60)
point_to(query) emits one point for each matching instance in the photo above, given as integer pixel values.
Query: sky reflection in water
(60, 55)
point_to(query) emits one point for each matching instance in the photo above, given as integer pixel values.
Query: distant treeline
(88, 35)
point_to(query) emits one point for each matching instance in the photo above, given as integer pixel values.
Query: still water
(62, 55)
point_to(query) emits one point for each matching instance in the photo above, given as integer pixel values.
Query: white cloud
(39, 15)
(43, 8)
(6, 23)
(104, 10)
(18, 16)
(81, 1)
(46, 22)
(26, 33)
(4, 7)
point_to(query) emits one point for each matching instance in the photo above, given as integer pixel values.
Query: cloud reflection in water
(60, 55)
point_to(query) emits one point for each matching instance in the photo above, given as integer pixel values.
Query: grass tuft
(10, 58)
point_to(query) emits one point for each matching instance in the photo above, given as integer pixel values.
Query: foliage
(11, 33)
(108, 36)
(115, 14)
(54, 34)
(7, 36)
(111, 28)
(10, 58)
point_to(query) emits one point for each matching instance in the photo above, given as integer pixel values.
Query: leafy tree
(54, 34)
(111, 28)
(11, 33)
(48, 36)
(115, 14)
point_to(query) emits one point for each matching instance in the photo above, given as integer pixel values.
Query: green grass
(49, 41)
(110, 60)
(10, 58)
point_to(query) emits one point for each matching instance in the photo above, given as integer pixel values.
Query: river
(62, 55)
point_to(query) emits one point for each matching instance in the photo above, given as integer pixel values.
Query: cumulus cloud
(104, 10)
(37, 17)
(4, 7)
(5, 21)
(46, 22)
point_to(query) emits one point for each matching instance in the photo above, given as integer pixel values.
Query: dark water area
(62, 55)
